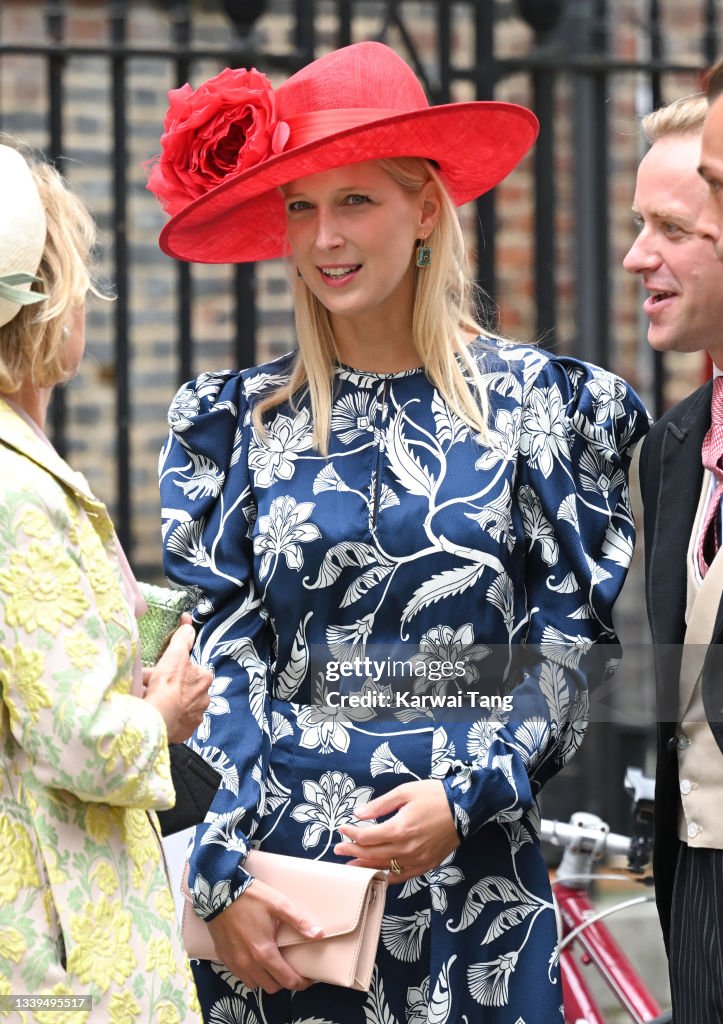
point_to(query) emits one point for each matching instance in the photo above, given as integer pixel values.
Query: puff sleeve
(208, 515)
(575, 536)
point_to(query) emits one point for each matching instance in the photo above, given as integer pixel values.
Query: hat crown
(367, 75)
(22, 225)
(362, 102)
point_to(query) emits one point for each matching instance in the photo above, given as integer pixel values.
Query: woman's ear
(430, 208)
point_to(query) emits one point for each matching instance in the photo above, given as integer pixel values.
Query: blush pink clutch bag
(347, 902)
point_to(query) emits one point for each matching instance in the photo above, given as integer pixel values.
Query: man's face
(674, 252)
(711, 168)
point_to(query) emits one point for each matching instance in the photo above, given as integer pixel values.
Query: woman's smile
(338, 276)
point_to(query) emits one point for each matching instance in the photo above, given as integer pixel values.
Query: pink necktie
(712, 453)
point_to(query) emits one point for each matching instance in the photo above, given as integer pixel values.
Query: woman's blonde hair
(443, 315)
(32, 344)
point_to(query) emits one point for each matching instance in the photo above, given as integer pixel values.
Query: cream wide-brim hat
(22, 225)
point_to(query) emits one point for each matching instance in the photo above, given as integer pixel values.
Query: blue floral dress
(411, 538)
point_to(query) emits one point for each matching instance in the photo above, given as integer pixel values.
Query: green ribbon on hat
(10, 291)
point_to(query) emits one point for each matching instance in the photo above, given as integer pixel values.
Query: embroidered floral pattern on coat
(85, 907)
(410, 536)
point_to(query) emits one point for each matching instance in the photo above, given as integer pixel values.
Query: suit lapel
(681, 478)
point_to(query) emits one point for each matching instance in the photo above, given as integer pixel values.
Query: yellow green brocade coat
(85, 906)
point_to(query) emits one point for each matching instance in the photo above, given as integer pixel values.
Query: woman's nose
(328, 235)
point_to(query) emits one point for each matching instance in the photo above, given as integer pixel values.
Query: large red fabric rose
(222, 128)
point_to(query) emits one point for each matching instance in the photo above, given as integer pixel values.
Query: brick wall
(153, 279)
(87, 115)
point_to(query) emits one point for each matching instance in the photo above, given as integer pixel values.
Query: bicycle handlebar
(584, 838)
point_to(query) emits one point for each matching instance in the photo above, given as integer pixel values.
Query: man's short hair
(714, 81)
(684, 116)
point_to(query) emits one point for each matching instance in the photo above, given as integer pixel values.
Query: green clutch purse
(156, 626)
(194, 780)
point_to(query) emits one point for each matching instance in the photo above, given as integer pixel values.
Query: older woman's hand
(177, 687)
(419, 834)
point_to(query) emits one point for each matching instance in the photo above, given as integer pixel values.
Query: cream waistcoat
(700, 762)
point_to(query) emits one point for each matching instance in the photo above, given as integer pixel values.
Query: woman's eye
(356, 200)
(297, 205)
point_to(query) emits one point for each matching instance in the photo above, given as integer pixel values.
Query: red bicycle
(581, 928)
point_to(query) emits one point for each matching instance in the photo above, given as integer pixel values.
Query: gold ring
(395, 867)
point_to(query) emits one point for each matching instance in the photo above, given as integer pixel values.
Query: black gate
(87, 82)
(562, 46)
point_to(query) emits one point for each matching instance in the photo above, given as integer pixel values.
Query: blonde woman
(87, 922)
(367, 524)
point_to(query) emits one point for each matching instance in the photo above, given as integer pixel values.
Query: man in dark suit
(675, 257)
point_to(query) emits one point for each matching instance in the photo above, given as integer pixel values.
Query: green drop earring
(424, 254)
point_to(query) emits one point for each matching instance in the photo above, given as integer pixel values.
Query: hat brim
(475, 145)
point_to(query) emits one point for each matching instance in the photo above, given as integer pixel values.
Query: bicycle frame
(599, 948)
(580, 924)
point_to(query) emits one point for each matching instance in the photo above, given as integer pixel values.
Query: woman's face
(352, 233)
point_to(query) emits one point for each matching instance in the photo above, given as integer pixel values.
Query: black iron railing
(571, 44)
(571, 51)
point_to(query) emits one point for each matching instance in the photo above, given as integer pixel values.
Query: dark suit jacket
(671, 476)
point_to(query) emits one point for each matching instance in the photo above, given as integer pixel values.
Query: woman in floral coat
(85, 907)
(403, 498)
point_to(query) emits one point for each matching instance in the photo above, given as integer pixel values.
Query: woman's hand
(245, 938)
(177, 687)
(418, 836)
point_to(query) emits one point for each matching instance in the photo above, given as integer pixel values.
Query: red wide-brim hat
(229, 145)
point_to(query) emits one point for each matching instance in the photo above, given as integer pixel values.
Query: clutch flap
(336, 895)
(348, 902)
